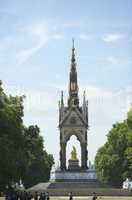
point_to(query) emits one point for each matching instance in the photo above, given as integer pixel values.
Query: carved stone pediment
(73, 118)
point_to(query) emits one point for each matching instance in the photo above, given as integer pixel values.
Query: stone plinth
(73, 165)
(86, 175)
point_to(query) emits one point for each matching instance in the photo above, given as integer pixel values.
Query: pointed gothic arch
(81, 137)
(73, 141)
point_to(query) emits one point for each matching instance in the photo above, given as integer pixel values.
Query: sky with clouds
(35, 50)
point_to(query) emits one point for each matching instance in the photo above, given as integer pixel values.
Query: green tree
(21, 148)
(41, 161)
(113, 161)
(12, 156)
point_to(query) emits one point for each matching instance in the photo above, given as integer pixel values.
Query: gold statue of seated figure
(73, 154)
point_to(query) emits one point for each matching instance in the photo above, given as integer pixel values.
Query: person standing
(36, 196)
(70, 196)
(44, 196)
(94, 196)
(47, 196)
(41, 196)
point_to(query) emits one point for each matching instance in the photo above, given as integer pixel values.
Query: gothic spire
(73, 86)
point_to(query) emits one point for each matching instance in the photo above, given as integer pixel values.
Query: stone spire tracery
(73, 85)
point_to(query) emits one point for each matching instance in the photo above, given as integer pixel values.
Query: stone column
(84, 156)
(63, 156)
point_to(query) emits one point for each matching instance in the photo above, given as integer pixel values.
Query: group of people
(42, 196)
(27, 196)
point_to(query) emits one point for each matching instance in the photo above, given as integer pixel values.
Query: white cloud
(23, 55)
(27, 40)
(104, 103)
(112, 37)
(40, 35)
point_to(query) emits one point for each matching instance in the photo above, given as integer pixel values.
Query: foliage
(114, 160)
(22, 152)
(41, 161)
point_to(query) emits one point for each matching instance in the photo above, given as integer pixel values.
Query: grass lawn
(87, 198)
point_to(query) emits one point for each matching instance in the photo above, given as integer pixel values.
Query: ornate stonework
(73, 119)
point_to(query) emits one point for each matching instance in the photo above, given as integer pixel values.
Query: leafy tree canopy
(113, 161)
(22, 151)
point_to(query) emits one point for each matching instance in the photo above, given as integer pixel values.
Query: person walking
(94, 196)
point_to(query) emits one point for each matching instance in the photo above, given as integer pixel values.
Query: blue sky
(35, 50)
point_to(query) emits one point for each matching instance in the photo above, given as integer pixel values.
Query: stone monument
(73, 120)
(79, 179)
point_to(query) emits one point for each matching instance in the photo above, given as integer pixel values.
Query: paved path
(90, 198)
(86, 198)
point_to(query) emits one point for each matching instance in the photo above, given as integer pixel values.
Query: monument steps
(77, 184)
(78, 189)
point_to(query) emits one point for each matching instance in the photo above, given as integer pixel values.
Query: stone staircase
(79, 189)
(77, 184)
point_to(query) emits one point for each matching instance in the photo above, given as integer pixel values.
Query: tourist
(70, 196)
(36, 196)
(41, 196)
(30, 196)
(47, 196)
(26, 196)
(94, 196)
(17, 195)
(6, 196)
(44, 196)
(21, 196)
